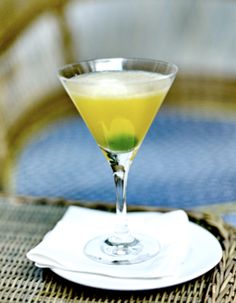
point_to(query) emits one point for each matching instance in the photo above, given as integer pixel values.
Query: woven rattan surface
(22, 226)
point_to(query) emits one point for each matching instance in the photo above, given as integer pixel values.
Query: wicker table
(24, 221)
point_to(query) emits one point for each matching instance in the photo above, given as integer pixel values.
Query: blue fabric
(230, 218)
(183, 162)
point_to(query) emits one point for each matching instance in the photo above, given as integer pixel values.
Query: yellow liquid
(120, 108)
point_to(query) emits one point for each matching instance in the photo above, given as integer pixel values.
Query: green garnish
(122, 142)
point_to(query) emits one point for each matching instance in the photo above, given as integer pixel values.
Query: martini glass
(118, 99)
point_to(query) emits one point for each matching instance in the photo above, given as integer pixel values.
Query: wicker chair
(39, 126)
(34, 42)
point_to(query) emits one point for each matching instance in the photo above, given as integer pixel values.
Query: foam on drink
(118, 83)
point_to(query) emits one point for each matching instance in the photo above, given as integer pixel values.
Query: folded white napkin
(63, 246)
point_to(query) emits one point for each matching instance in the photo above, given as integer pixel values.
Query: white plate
(205, 252)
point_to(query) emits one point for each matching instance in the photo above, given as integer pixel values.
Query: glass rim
(171, 74)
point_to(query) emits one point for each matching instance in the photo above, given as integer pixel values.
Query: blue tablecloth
(185, 161)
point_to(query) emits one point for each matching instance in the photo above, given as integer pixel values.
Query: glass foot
(141, 249)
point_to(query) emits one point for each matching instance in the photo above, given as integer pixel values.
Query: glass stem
(120, 164)
(120, 178)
